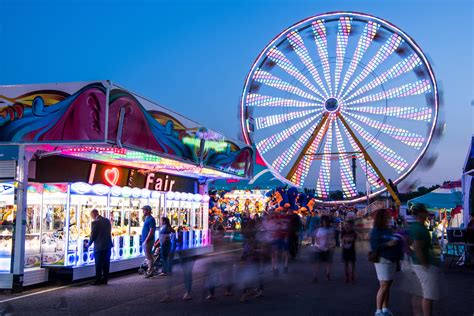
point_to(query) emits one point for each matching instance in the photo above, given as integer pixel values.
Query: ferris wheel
(340, 102)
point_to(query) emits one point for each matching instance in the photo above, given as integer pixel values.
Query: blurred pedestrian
(312, 224)
(101, 237)
(324, 247)
(349, 237)
(279, 227)
(383, 246)
(165, 236)
(422, 259)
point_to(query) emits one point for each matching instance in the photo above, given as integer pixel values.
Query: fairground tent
(448, 197)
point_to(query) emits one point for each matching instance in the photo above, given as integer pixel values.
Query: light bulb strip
(347, 180)
(284, 63)
(365, 40)
(319, 32)
(382, 54)
(400, 134)
(408, 112)
(404, 66)
(298, 46)
(324, 177)
(272, 120)
(270, 80)
(271, 142)
(409, 89)
(343, 32)
(258, 100)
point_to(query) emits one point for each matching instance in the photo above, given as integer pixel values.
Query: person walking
(101, 237)
(148, 238)
(383, 245)
(324, 247)
(166, 232)
(312, 224)
(422, 259)
(348, 238)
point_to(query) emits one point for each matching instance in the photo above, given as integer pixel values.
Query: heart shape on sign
(111, 176)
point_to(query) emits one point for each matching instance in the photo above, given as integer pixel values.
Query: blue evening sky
(193, 56)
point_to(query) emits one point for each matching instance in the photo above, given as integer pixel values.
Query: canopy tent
(262, 179)
(447, 197)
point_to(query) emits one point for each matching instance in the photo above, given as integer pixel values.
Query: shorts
(429, 281)
(385, 269)
(348, 255)
(280, 245)
(323, 256)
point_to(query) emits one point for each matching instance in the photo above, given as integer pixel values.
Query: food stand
(68, 148)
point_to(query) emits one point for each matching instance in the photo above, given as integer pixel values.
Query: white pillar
(19, 232)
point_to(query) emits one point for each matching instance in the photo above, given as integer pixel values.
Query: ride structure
(336, 93)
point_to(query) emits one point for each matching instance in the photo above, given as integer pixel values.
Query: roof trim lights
(126, 191)
(136, 192)
(170, 195)
(81, 187)
(100, 189)
(116, 191)
(145, 193)
(197, 197)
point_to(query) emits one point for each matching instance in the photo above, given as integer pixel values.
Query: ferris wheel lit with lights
(340, 102)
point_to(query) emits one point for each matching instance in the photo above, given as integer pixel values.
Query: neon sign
(111, 176)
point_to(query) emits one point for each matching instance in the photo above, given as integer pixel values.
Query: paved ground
(287, 294)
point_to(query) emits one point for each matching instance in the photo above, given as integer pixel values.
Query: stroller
(156, 260)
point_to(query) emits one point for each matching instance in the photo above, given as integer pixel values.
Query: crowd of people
(273, 239)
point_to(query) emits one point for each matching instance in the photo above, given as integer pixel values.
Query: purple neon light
(267, 78)
(343, 32)
(364, 42)
(258, 100)
(408, 112)
(388, 155)
(382, 54)
(347, 180)
(372, 176)
(418, 87)
(285, 158)
(272, 141)
(400, 68)
(324, 178)
(298, 46)
(319, 30)
(284, 63)
(406, 137)
(271, 120)
(303, 168)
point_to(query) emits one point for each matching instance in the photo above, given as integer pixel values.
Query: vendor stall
(66, 149)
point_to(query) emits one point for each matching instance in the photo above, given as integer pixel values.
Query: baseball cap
(146, 208)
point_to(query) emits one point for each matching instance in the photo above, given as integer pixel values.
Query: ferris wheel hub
(331, 105)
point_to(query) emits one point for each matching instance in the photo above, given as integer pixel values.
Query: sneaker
(379, 313)
(148, 275)
(187, 297)
(387, 313)
(210, 297)
(165, 299)
(162, 274)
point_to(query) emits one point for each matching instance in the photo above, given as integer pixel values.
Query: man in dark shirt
(101, 237)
